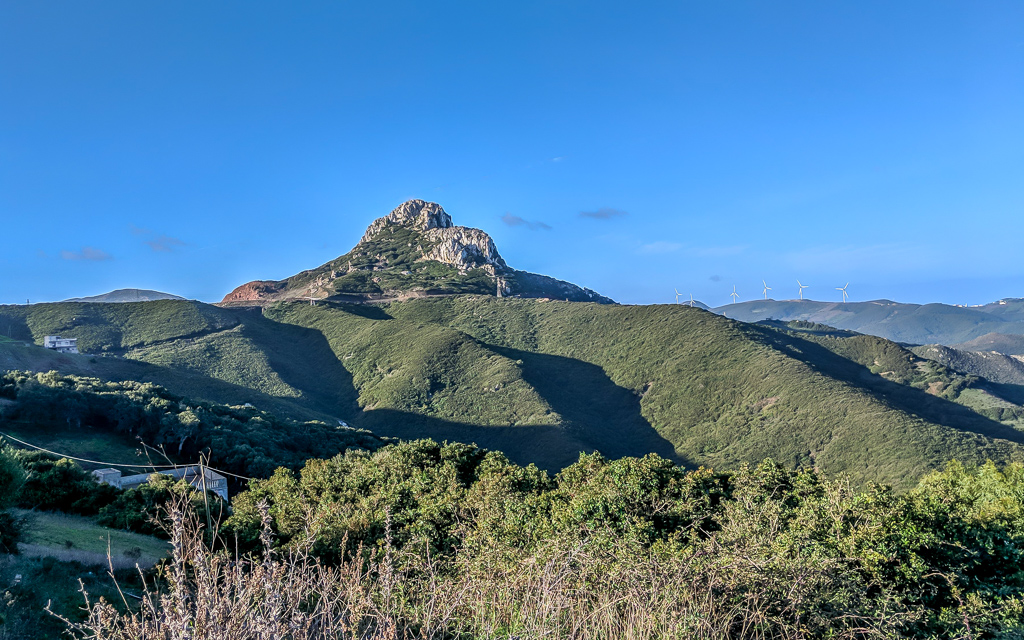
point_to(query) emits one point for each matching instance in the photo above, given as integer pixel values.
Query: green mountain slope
(993, 366)
(544, 380)
(414, 251)
(912, 323)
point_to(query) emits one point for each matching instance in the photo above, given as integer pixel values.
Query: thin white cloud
(87, 253)
(717, 252)
(660, 246)
(884, 257)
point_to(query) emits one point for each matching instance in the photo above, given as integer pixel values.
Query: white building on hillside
(63, 345)
(212, 481)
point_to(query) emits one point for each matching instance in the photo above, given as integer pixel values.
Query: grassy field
(60, 555)
(70, 538)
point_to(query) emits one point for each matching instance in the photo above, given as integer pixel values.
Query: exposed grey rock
(416, 214)
(464, 248)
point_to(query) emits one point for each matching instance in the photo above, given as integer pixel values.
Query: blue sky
(191, 147)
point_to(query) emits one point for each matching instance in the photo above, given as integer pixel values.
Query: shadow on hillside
(368, 311)
(1010, 392)
(15, 326)
(304, 360)
(600, 416)
(899, 396)
(597, 411)
(549, 447)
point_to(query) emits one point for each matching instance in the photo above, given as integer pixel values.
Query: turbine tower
(734, 295)
(691, 300)
(766, 289)
(802, 287)
(677, 295)
(843, 289)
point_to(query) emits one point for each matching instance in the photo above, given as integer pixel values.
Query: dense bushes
(59, 484)
(12, 477)
(240, 440)
(764, 552)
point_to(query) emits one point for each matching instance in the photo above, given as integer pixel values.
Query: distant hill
(544, 380)
(128, 295)
(910, 323)
(415, 251)
(991, 365)
(1001, 342)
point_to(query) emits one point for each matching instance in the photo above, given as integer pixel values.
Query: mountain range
(901, 322)
(406, 335)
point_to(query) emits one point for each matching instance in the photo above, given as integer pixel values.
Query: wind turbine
(677, 296)
(691, 300)
(843, 289)
(734, 295)
(766, 289)
(802, 287)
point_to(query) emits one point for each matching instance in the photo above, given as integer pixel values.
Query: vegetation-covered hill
(991, 365)
(911, 323)
(545, 380)
(1001, 342)
(414, 251)
(128, 295)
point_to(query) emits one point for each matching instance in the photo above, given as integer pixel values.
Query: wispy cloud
(718, 252)
(604, 213)
(556, 159)
(87, 253)
(889, 256)
(164, 243)
(660, 247)
(517, 221)
(157, 241)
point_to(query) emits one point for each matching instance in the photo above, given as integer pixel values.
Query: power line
(118, 464)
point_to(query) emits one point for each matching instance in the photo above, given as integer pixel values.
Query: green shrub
(59, 484)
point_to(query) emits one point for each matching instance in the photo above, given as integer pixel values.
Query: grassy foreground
(71, 538)
(420, 540)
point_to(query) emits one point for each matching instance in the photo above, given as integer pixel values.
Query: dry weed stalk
(580, 590)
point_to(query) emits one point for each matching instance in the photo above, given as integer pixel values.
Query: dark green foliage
(49, 582)
(945, 560)
(240, 440)
(12, 478)
(144, 508)
(59, 484)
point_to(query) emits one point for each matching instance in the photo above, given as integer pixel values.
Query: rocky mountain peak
(414, 214)
(415, 250)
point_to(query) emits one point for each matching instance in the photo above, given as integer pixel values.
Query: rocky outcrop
(255, 290)
(463, 248)
(388, 264)
(415, 214)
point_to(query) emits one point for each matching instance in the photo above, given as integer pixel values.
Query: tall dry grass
(579, 590)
